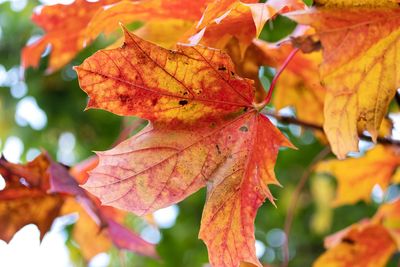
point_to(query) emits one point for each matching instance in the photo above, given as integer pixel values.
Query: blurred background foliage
(47, 112)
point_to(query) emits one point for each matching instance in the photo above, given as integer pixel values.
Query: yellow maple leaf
(360, 49)
(357, 176)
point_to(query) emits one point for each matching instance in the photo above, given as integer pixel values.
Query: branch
(293, 120)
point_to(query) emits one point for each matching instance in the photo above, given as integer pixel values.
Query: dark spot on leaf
(154, 101)
(218, 150)
(348, 241)
(232, 73)
(244, 128)
(124, 98)
(183, 102)
(222, 68)
(123, 45)
(185, 93)
(245, 109)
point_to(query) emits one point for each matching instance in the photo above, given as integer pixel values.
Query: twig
(293, 120)
(293, 202)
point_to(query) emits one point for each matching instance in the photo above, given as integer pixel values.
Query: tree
(199, 86)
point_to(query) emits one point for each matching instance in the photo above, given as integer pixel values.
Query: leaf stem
(276, 77)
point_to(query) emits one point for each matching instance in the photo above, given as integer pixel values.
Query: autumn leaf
(375, 168)
(126, 12)
(64, 27)
(361, 245)
(22, 206)
(24, 199)
(204, 131)
(243, 20)
(169, 96)
(69, 28)
(369, 242)
(360, 40)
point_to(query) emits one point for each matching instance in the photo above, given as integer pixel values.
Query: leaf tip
(123, 27)
(374, 135)
(290, 145)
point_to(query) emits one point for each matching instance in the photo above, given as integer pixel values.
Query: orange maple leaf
(360, 40)
(65, 27)
(205, 131)
(369, 242)
(69, 28)
(362, 244)
(243, 20)
(24, 199)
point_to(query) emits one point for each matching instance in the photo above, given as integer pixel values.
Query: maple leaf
(362, 244)
(360, 40)
(204, 132)
(226, 19)
(369, 242)
(169, 96)
(24, 199)
(69, 28)
(65, 28)
(376, 167)
(107, 20)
